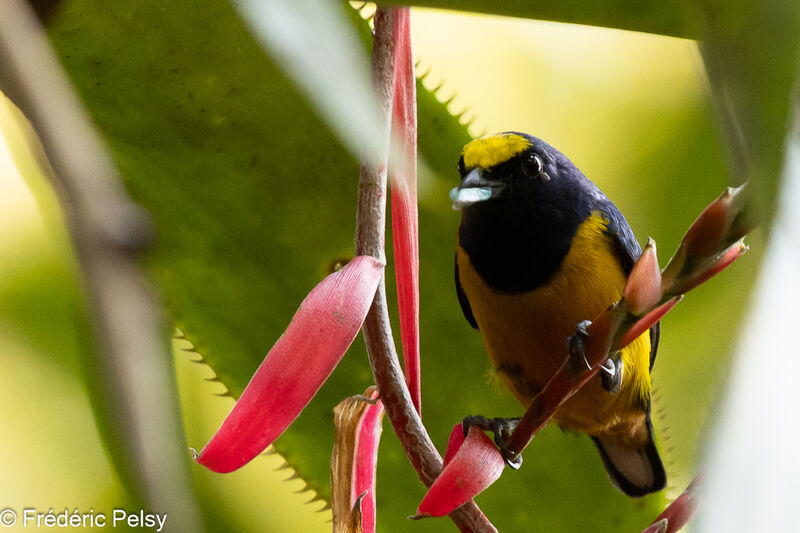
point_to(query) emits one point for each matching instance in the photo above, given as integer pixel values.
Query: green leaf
(651, 16)
(751, 51)
(253, 197)
(316, 47)
(753, 75)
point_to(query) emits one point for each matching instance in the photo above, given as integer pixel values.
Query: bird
(540, 250)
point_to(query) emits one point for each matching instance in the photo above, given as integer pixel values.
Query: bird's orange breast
(526, 333)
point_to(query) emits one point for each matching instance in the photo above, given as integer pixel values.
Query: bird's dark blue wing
(628, 248)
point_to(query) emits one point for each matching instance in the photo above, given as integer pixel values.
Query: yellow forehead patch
(487, 152)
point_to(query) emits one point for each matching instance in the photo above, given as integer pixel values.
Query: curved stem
(370, 238)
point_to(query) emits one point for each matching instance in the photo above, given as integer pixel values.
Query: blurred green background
(631, 110)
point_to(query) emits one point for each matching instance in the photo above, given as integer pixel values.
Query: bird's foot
(612, 372)
(502, 428)
(576, 346)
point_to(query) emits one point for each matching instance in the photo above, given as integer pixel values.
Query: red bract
(643, 289)
(720, 224)
(711, 267)
(660, 526)
(710, 227)
(476, 465)
(454, 443)
(369, 436)
(403, 173)
(679, 512)
(296, 367)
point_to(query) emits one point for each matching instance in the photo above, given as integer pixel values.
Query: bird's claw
(612, 372)
(502, 428)
(576, 347)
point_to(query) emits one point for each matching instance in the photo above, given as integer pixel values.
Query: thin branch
(370, 229)
(133, 384)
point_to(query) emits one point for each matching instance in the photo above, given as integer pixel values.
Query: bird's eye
(461, 169)
(532, 165)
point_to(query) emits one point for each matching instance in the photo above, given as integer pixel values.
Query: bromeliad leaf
(314, 40)
(667, 18)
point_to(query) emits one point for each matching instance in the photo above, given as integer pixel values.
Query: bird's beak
(475, 188)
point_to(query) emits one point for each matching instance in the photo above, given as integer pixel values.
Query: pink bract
(297, 365)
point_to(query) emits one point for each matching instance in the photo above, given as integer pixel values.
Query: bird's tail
(636, 471)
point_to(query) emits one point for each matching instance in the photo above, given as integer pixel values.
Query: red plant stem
(557, 391)
(403, 184)
(567, 380)
(715, 225)
(648, 320)
(679, 512)
(370, 227)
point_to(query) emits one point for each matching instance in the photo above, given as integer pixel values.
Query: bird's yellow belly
(526, 334)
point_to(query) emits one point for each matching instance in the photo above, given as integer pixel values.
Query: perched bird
(540, 250)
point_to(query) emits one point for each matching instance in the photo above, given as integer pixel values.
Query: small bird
(540, 250)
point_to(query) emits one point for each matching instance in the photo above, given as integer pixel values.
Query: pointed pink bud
(366, 461)
(708, 230)
(659, 526)
(647, 321)
(740, 220)
(711, 268)
(476, 465)
(403, 174)
(643, 289)
(296, 367)
(724, 221)
(679, 512)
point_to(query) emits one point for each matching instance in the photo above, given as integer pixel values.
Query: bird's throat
(514, 250)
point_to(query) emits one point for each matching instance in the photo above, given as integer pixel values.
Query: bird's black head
(521, 201)
(514, 166)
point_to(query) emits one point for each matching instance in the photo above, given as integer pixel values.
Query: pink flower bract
(403, 186)
(366, 462)
(297, 365)
(476, 465)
